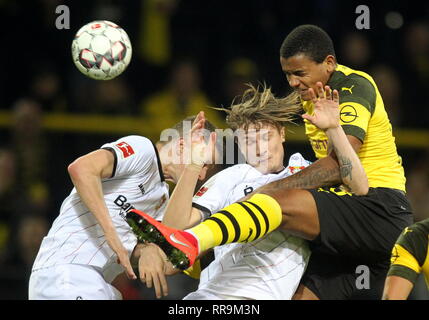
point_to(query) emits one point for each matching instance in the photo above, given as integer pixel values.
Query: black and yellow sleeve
(357, 103)
(409, 253)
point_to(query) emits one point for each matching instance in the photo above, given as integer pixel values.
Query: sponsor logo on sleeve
(126, 149)
(201, 191)
(348, 114)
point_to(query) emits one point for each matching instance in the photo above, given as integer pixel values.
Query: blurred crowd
(187, 55)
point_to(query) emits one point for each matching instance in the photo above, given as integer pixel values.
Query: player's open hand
(201, 149)
(153, 264)
(326, 107)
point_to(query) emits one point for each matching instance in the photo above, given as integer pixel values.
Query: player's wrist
(195, 167)
(334, 129)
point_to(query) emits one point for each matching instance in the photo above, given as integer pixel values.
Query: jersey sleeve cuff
(403, 272)
(354, 131)
(205, 213)
(115, 161)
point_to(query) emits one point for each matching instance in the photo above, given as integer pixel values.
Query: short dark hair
(179, 126)
(309, 40)
(190, 119)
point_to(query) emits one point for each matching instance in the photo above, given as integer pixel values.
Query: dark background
(193, 53)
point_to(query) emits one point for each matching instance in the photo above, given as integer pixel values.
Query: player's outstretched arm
(86, 173)
(327, 117)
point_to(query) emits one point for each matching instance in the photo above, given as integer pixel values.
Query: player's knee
(287, 199)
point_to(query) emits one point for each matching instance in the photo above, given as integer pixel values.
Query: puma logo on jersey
(348, 89)
(407, 230)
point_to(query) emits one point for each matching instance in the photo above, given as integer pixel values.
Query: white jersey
(267, 268)
(77, 238)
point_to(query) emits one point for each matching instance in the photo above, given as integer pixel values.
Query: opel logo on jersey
(348, 114)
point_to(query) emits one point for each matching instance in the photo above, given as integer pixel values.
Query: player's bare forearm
(351, 170)
(323, 172)
(179, 213)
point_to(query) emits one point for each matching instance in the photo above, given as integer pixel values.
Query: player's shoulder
(418, 231)
(134, 142)
(415, 239)
(346, 75)
(244, 169)
(137, 139)
(354, 85)
(128, 146)
(231, 176)
(423, 226)
(238, 171)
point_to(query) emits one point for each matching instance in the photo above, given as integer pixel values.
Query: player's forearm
(179, 210)
(323, 172)
(351, 170)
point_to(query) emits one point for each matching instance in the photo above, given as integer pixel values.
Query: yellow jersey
(362, 115)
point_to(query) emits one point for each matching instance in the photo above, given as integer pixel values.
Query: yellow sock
(239, 222)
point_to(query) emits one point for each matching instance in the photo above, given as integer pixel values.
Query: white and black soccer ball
(101, 50)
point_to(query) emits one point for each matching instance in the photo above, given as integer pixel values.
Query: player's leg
(304, 293)
(351, 254)
(299, 212)
(294, 210)
(239, 222)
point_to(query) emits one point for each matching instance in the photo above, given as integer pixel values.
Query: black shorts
(354, 231)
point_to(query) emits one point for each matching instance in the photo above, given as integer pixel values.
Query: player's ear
(282, 134)
(203, 173)
(330, 63)
(180, 146)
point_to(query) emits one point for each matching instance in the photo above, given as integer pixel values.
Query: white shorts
(70, 282)
(207, 294)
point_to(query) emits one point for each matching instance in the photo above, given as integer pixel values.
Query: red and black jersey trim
(115, 161)
(158, 160)
(207, 212)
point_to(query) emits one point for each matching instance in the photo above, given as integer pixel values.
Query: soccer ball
(101, 50)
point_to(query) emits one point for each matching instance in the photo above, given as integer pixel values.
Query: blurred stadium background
(187, 55)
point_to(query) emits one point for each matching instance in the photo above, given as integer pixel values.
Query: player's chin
(167, 179)
(263, 167)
